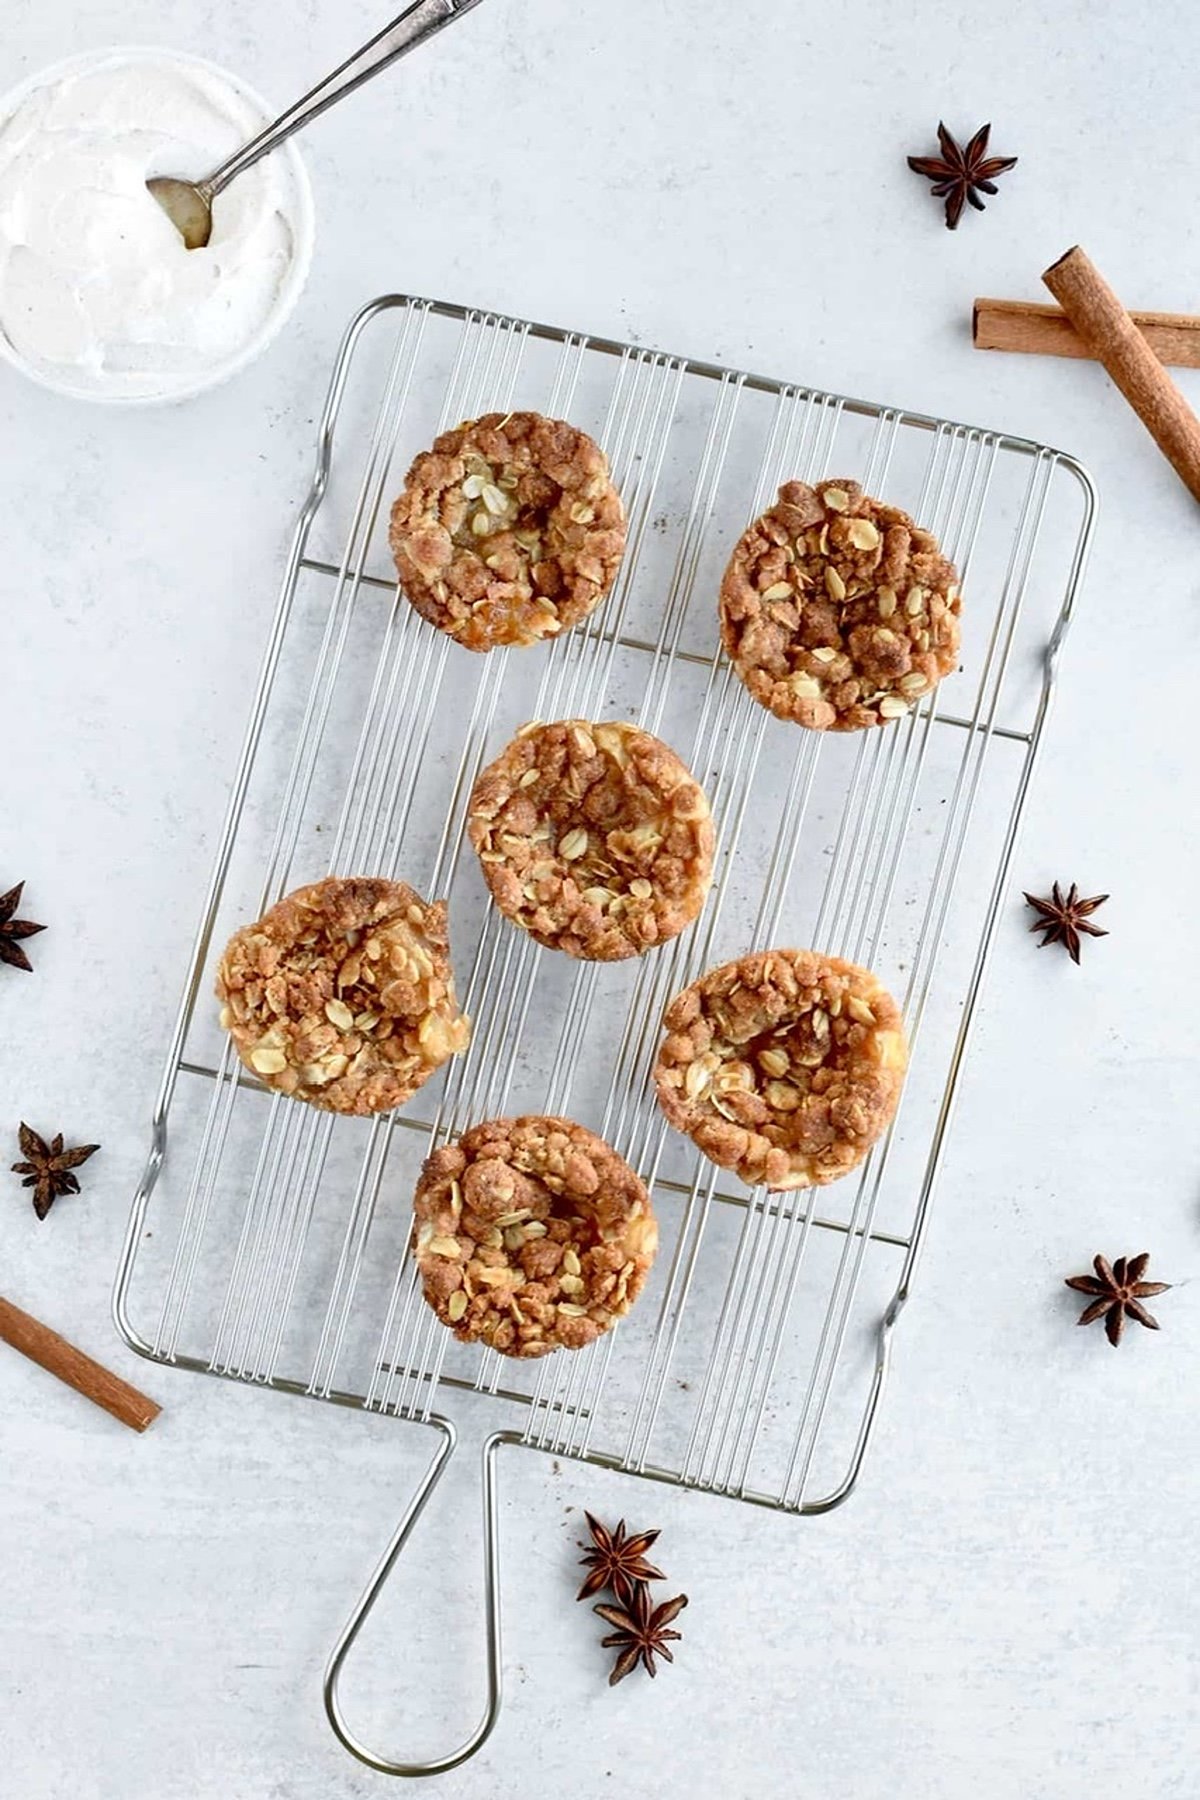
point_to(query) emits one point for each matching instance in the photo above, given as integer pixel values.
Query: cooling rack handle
(387, 1765)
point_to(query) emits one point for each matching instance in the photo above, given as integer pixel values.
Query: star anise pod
(616, 1561)
(1061, 920)
(11, 929)
(1119, 1291)
(640, 1632)
(960, 176)
(47, 1169)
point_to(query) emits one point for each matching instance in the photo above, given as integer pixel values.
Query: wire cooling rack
(753, 1364)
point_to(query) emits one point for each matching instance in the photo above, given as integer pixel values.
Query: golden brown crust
(836, 610)
(784, 1065)
(343, 995)
(509, 530)
(595, 839)
(531, 1235)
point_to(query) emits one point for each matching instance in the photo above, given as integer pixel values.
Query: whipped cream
(98, 292)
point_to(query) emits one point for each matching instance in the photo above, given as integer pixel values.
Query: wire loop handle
(386, 1765)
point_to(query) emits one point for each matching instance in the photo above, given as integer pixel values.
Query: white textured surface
(1008, 1606)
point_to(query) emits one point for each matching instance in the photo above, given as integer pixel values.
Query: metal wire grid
(401, 720)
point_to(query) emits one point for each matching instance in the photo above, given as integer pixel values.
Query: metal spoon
(188, 204)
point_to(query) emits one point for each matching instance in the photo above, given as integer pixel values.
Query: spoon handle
(414, 25)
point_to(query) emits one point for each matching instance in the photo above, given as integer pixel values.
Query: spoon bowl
(188, 205)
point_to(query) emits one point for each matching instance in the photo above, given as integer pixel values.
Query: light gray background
(1008, 1606)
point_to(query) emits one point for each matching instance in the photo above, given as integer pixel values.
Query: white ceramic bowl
(300, 218)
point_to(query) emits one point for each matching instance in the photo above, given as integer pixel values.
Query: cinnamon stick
(92, 1379)
(1025, 326)
(1113, 338)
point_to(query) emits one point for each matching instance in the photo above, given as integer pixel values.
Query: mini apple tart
(531, 1235)
(595, 839)
(836, 610)
(784, 1066)
(508, 531)
(343, 995)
